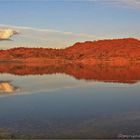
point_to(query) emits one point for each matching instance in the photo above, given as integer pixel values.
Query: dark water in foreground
(61, 106)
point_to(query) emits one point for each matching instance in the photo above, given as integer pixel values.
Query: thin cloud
(122, 3)
(130, 3)
(50, 38)
(50, 31)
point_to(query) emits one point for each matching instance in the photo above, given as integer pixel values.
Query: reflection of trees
(129, 73)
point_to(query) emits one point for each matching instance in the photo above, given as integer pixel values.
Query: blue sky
(100, 18)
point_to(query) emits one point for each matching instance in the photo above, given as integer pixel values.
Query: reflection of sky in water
(5, 86)
(78, 110)
(53, 82)
(38, 83)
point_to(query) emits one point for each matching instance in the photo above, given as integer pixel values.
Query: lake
(71, 101)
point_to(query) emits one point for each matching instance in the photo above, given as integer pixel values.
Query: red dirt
(115, 52)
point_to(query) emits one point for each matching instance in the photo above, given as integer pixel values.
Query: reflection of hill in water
(122, 74)
(6, 86)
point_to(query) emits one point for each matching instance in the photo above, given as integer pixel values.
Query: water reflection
(121, 74)
(72, 107)
(7, 87)
(94, 112)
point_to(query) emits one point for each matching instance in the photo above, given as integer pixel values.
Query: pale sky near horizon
(62, 23)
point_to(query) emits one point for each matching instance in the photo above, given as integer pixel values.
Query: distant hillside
(128, 48)
(116, 51)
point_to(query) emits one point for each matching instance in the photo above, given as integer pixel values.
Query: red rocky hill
(115, 51)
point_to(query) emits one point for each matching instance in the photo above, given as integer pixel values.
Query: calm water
(61, 106)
